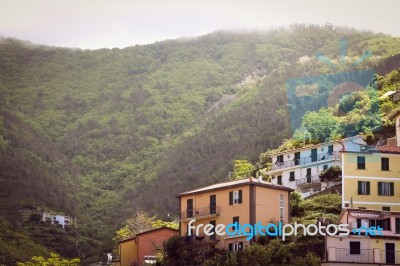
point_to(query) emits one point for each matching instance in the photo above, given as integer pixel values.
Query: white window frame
(235, 197)
(281, 207)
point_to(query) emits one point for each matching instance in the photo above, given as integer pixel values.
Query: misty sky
(119, 23)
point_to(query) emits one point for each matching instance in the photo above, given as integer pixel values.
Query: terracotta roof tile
(389, 149)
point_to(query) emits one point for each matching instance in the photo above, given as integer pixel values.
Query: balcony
(374, 256)
(309, 180)
(200, 213)
(360, 256)
(324, 157)
(194, 240)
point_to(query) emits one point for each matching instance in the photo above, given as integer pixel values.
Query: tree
(242, 169)
(320, 124)
(139, 223)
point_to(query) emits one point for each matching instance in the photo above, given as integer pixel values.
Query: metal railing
(308, 180)
(357, 255)
(306, 160)
(200, 212)
(390, 257)
(200, 240)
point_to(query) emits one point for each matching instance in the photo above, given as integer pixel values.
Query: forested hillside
(98, 134)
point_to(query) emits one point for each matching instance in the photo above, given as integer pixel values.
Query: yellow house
(371, 179)
(245, 201)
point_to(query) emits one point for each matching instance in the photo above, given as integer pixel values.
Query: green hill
(98, 134)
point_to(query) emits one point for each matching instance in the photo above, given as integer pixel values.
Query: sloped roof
(234, 183)
(389, 149)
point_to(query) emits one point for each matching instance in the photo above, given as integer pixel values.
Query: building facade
(360, 248)
(299, 169)
(371, 179)
(243, 201)
(134, 251)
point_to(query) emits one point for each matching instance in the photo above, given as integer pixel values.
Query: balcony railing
(390, 257)
(200, 240)
(308, 180)
(359, 256)
(306, 160)
(200, 212)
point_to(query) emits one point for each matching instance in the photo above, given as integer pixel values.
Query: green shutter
(379, 188)
(359, 187)
(391, 189)
(368, 188)
(231, 198)
(240, 196)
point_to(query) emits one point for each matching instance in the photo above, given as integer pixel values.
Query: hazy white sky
(120, 23)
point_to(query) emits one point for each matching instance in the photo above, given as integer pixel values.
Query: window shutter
(368, 188)
(230, 246)
(231, 198)
(240, 196)
(359, 187)
(391, 189)
(379, 188)
(240, 245)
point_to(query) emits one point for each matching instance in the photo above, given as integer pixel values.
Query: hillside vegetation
(99, 134)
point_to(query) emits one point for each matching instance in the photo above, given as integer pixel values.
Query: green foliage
(11, 241)
(320, 125)
(54, 260)
(322, 206)
(333, 173)
(174, 253)
(242, 169)
(141, 222)
(106, 132)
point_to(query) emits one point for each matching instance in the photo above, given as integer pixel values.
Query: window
(291, 176)
(314, 155)
(213, 204)
(384, 224)
(385, 164)
(308, 172)
(279, 160)
(189, 208)
(360, 162)
(397, 223)
(363, 188)
(281, 207)
(235, 219)
(308, 175)
(297, 158)
(279, 180)
(235, 246)
(212, 237)
(325, 167)
(384, 208)
(235, 197)
(355, 247)
(330, 149)
(385, 188)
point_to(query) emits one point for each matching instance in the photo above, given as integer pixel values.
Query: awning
(366, 215)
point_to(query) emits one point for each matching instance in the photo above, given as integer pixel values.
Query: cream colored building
(361, 249)
(299, 169)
